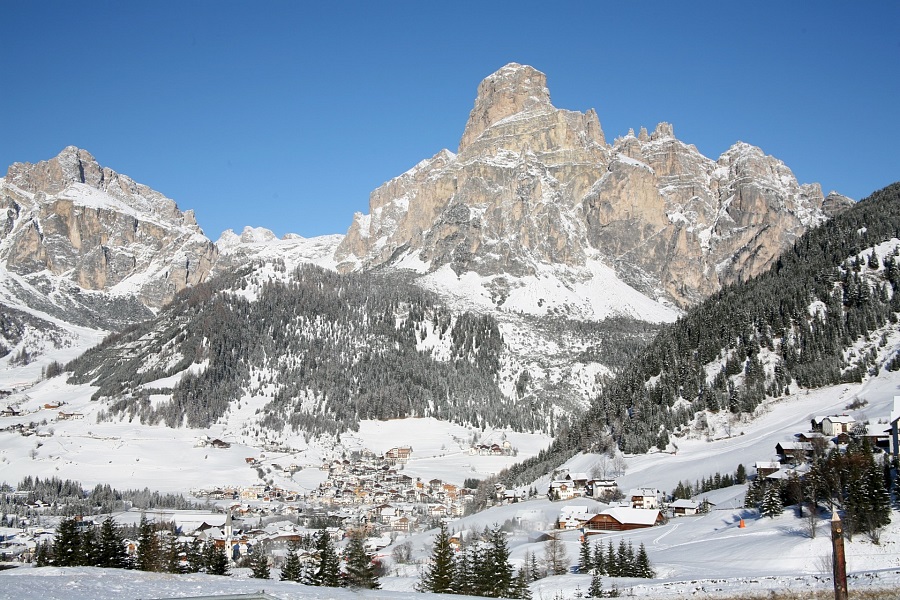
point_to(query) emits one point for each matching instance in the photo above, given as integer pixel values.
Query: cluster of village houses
(370, 492)
(645, 507)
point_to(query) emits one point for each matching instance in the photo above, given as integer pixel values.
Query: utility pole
(839, 566)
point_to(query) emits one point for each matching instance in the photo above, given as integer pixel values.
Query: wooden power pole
(840, 561)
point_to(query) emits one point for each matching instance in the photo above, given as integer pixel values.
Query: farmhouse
(644, 498)
(682, 507)
(793, 451)
(623, 518)
(837, 424)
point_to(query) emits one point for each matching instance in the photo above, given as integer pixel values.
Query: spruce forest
(793, 326)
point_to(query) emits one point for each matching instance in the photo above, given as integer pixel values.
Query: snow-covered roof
(638, 516)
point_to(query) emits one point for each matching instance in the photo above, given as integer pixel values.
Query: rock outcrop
(71, 219)
(533, 185)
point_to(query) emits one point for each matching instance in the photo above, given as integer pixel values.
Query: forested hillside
(807, 322)
(326, 349)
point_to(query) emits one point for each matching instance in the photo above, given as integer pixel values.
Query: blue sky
(286, 115)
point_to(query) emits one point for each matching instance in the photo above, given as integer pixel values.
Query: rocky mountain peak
(71, 218)
(512, 89)
(534, 188)
(72, 165)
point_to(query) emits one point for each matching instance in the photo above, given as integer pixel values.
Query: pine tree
(535, 571)
(360, 568)
(771, 506)
(148, 554)
(43, 554)
(89, 552)
(193, 554)
(170, 554)
(112, 548)
(217, 562)
(520, 587)
(497, 568)
(67, 544)
(292, 569)
(328, 569)
(612, 562)
(585, 556)
(599, 559)
(440, 574)
(259, 565)
(463, 576)
(596, 589)
(642, 564)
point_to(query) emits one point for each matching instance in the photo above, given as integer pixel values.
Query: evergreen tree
(328, 569)
(170, 554)
(89, 552)
(217, 562)
(148, 553)
(596, 589)
(498, 571)
(463, 577)
(479, 571)
(599, 561)
(642, 564)
(612, 562)
(292, 569)
(772, 505)
(360, 568)
(43, 554)
(194, 556)
(520, 587)
(112, 548)
(533, 568)
(585, 556)
(259, 565)
(67, 544)
(439, 576)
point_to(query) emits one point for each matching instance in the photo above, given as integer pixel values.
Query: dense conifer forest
(329, 349)
(792, 326)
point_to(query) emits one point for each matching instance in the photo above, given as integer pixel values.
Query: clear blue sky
(286, 115)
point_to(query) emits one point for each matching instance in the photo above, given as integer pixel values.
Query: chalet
(579, 480)
(573, 517)
(9, 412)
(623, 518)
(217, 443)
(681, 507)
(601, 487)
(64, 416)
(837, 424)
(766, 468)
(404, 524)
(794, 451)
(644, 498)
(562, 490)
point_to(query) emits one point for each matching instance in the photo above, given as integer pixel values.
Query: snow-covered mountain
(535, 197)
(570, 243)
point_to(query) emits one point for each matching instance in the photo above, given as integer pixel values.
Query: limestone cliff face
(71, 218)
(533, 185)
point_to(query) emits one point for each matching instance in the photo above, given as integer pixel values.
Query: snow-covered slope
(260, 244)
(709, 556)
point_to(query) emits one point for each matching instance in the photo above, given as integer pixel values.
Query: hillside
(768, 555)
(825, 313)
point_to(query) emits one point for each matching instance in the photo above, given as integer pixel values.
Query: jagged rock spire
(510, 90)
